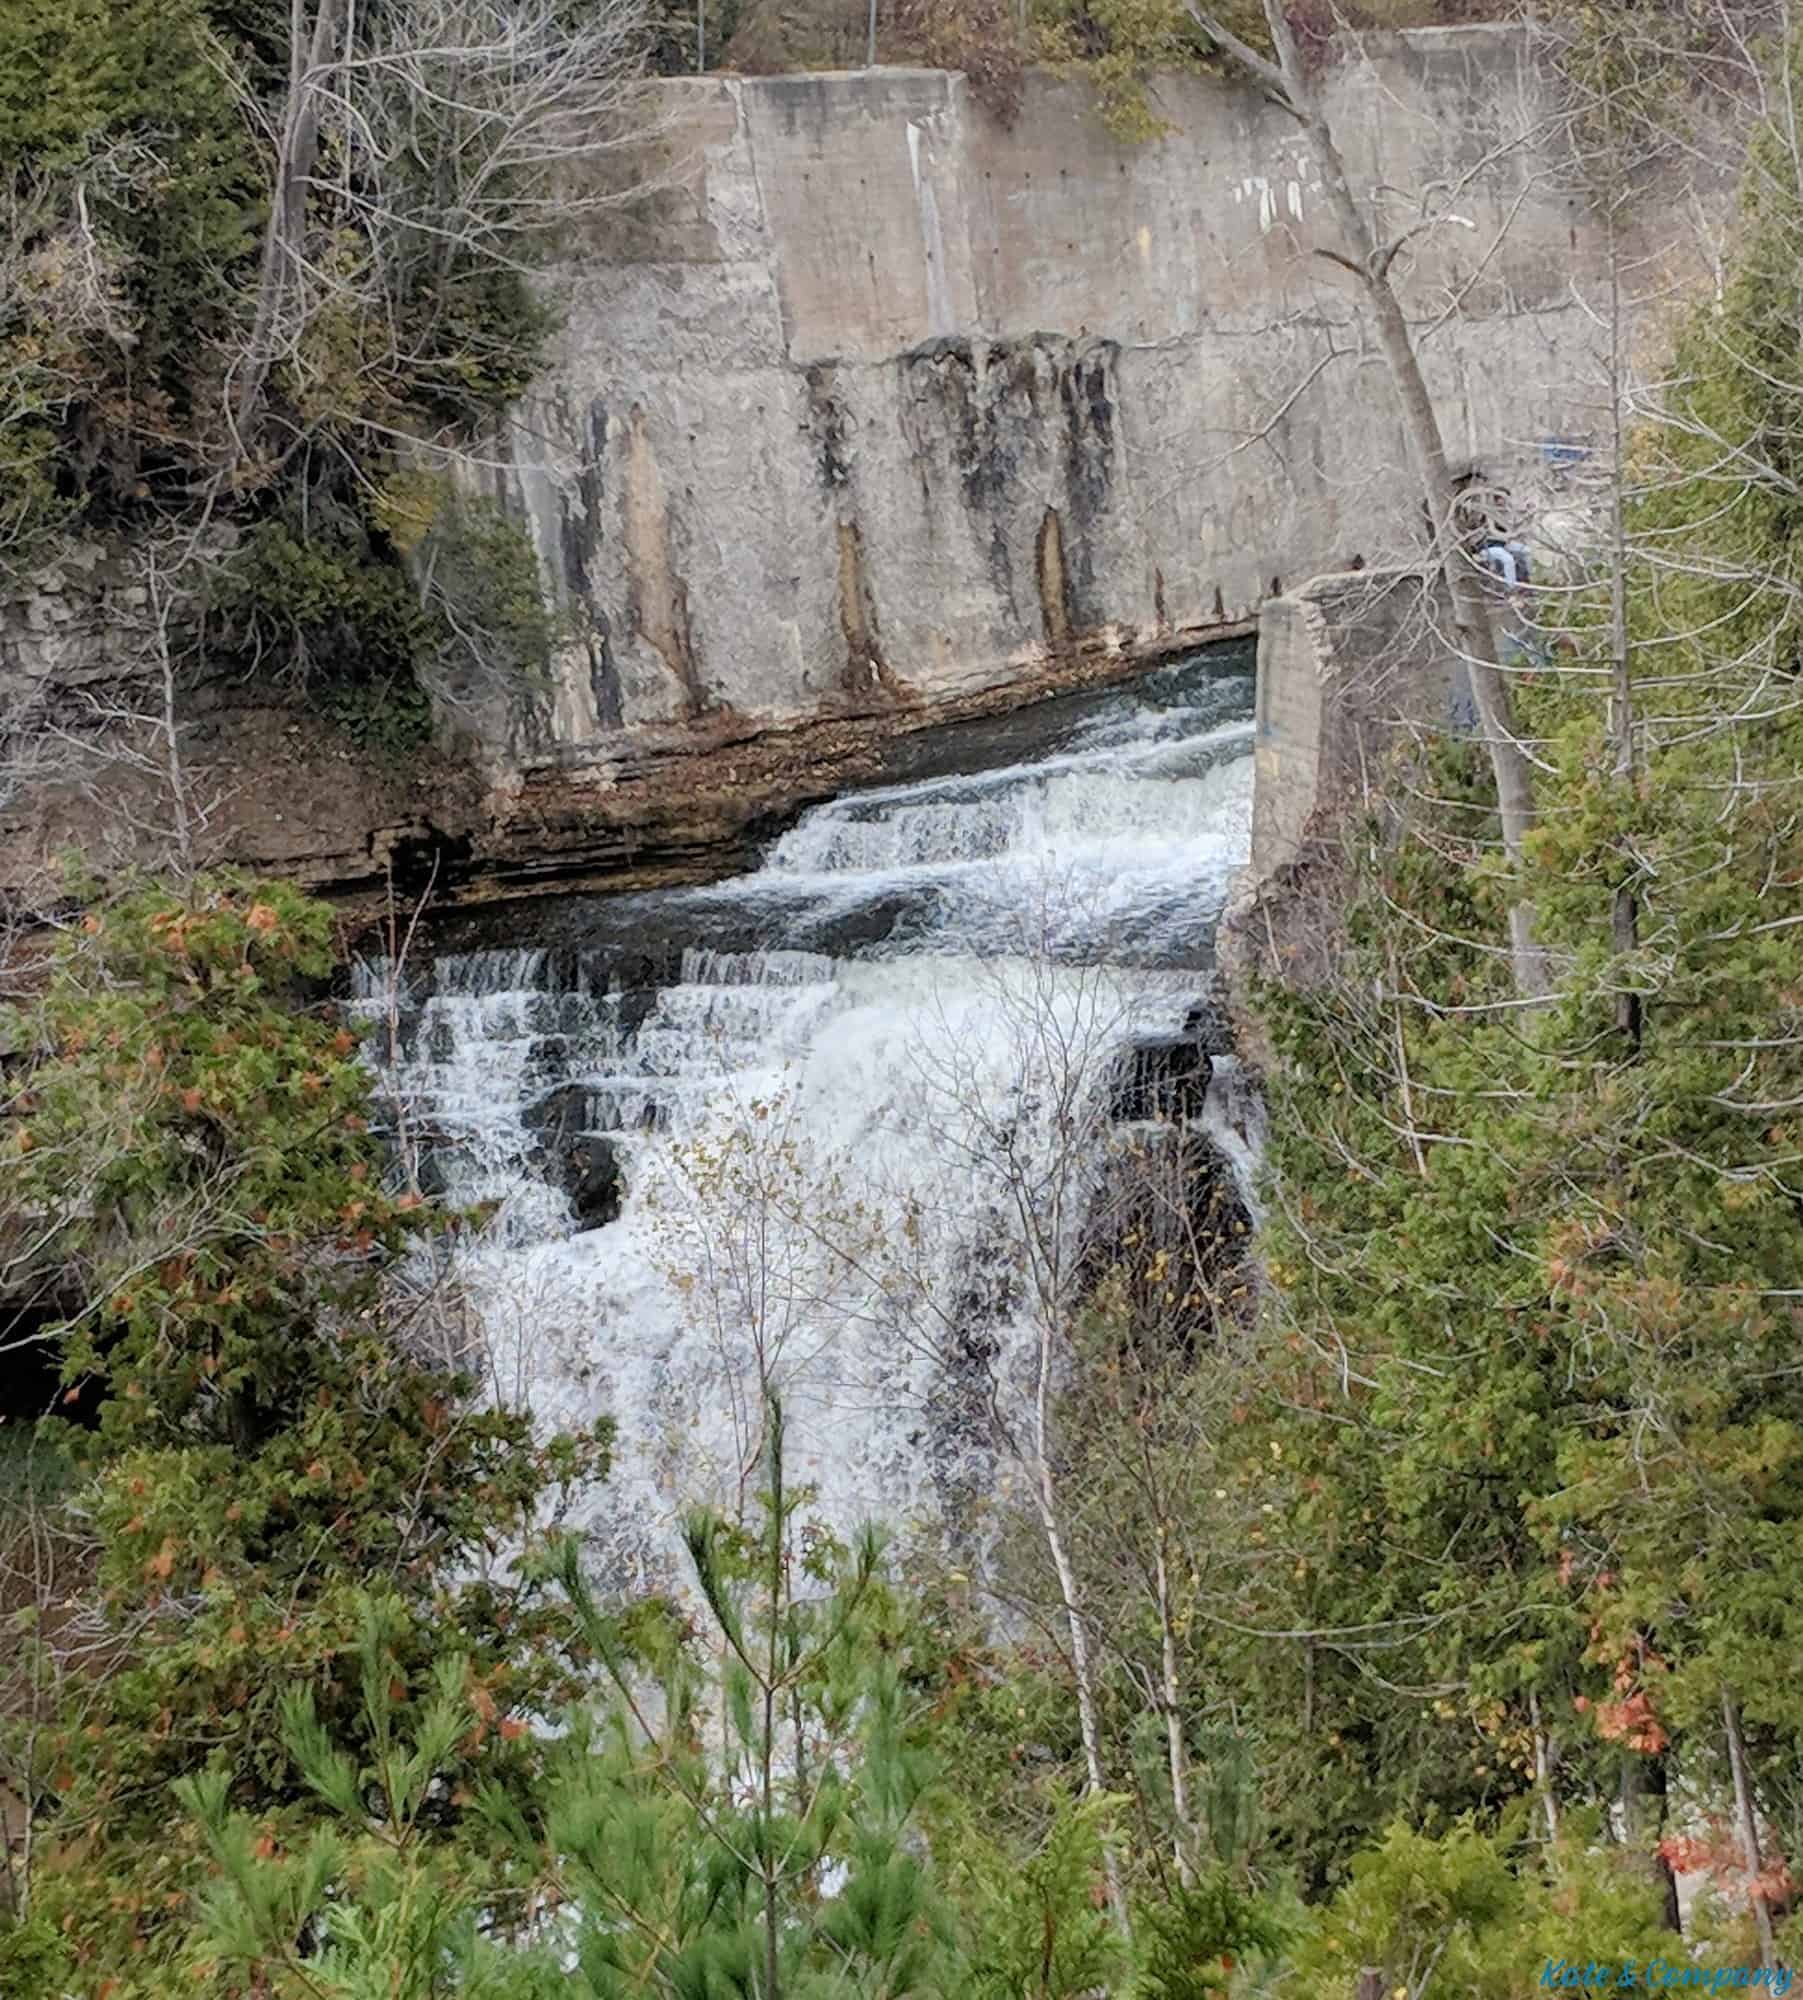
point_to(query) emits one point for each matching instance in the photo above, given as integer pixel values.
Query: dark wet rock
(1171, 1231)
(1164, 1078)
(575, 1158)
(1167, 1076)
(592, 1181)
(547, 1062)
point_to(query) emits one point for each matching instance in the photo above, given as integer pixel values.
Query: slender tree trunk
(1175, 1749)
(284, 236)
(1658, 1790)
(1543, 1774)
(1624, 913)
(1642, 1792)
(1745, 1814)
(162, 613)
(1473, 625)
(1070, 1592)
(772, 1679)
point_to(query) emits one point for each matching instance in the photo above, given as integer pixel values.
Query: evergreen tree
(1533, 1412)
(193, 1167)
(736, 1817)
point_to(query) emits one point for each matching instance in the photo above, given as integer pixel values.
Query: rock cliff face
(869, 413)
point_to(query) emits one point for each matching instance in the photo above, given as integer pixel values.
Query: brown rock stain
(864, 668)
(1054, 582)
(658, 596)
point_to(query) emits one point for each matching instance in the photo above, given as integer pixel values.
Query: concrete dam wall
(878, 398)
(870, 414)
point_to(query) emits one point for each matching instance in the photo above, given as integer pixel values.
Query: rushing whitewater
(842, 1147)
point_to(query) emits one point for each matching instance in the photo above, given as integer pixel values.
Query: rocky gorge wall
(869, 412)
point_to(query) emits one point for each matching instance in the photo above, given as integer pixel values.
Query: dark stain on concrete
(658, 593)
(829, 427)
(579, 533)
(1085, 387)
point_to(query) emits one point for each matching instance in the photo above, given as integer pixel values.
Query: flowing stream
(831, 1121)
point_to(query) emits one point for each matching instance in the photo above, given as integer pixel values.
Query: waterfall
(791, 1123)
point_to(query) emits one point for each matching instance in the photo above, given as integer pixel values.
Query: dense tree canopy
(1397, 1611)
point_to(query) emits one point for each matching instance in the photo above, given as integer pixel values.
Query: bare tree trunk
(162, 611)
(1070, 1592)
(767, 1771)
(284, 238)
(1658, 1786)
(1543, 1774)
(1749, 1830)
(1175, 1749)
(1370, 263)
(1624, 913)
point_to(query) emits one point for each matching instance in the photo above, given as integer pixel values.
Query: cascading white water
(814, 1145)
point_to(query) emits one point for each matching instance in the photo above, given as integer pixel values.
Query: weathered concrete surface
(1351, 668)
(873, 412)
(1355, 675)
(881, 394)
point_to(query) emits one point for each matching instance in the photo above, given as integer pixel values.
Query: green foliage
(1461, 1915)
(136, 201)
(198, 1146)
(435, 592)
(374, 1903)
(716, 1852)
(1529, 1432)
(1190, 1944)
(136, 173)
(34, 1961)
(743, 1829)
(1040, 1931)
(323, 602)
(1121, 47)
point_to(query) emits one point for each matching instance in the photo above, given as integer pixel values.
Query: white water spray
(825, 1123)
